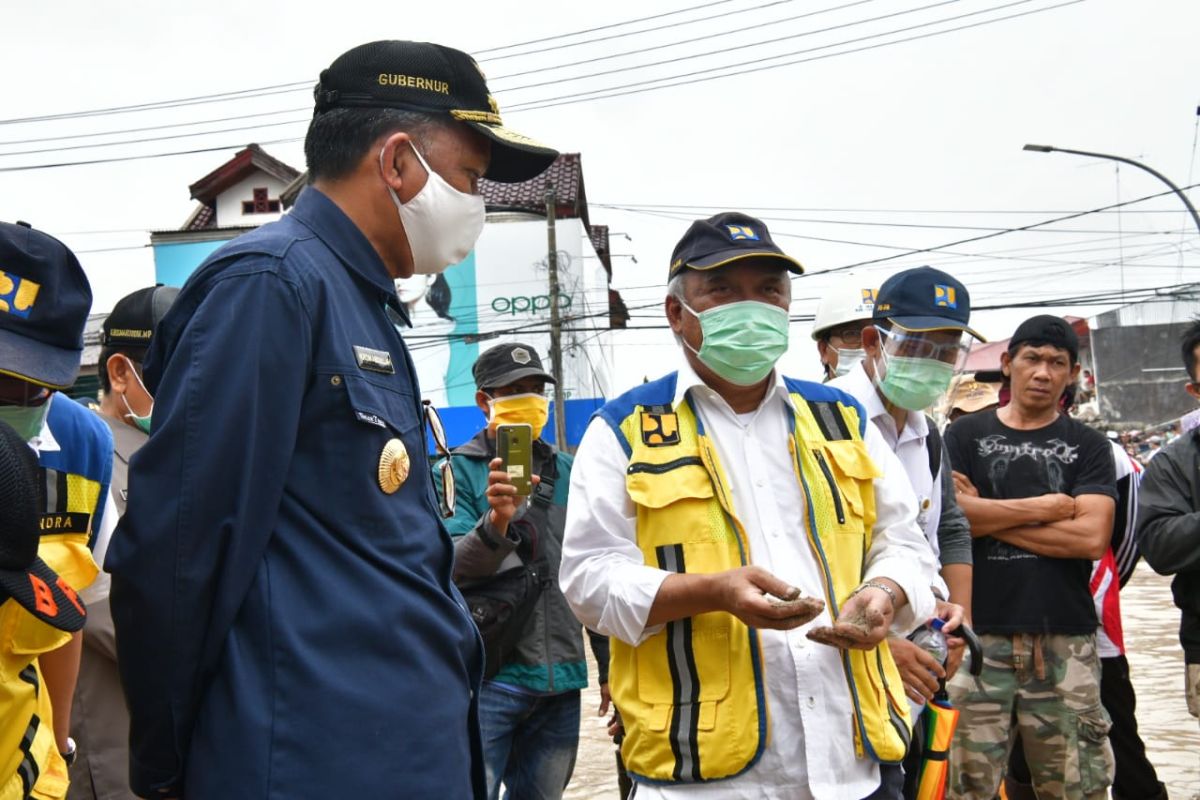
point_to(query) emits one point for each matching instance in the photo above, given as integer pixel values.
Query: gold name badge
(393, 466)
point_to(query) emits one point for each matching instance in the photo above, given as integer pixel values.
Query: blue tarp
(463, 422)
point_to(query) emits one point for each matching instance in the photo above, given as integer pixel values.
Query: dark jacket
(549, 657)
(1169, 529)
(287, 626)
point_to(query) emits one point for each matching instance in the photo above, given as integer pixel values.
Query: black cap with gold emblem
(421, 76)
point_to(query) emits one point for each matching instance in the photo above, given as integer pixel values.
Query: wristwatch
(876, 585)
(72, 751)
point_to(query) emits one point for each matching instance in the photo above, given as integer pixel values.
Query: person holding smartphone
(511, 510)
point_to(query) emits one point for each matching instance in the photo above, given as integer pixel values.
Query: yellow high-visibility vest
(692, 696)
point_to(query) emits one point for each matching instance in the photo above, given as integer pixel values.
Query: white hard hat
(850, 299)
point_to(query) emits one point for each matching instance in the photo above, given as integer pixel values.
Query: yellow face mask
(530, 409)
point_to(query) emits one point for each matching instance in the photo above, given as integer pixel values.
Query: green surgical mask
(742, 341)
(27, 421)
(913, 383)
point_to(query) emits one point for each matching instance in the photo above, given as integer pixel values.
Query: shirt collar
(688, 379)
(45, 442)
(332, 226)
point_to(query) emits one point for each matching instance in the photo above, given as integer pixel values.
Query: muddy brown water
(1172, 736)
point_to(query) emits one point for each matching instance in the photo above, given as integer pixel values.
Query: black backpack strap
(543, 493)
(933, 443)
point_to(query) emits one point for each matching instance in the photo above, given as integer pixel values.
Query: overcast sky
(861, 147)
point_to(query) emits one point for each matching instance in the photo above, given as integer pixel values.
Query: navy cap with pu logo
(925, 299)
(725, 238)
(45, 299)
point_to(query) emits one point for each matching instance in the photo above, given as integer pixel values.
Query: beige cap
(971, 395)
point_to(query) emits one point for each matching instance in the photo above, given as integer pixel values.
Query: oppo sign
(529, 304)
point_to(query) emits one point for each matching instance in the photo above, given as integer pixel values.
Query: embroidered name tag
(370, 419)
(374, 360)
(65, 522)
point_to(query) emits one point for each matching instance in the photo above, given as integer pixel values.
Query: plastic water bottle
(931, 639)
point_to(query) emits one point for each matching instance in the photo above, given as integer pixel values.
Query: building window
(261, 204)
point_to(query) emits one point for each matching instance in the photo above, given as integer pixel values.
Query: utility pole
(556, 368)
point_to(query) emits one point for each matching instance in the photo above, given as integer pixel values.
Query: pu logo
(944, 296)
(741, 233)
(868, 297)
(17, 294)
(659, 430)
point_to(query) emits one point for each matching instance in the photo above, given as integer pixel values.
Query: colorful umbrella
(941, 719)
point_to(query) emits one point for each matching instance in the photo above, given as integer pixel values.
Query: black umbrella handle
(974, 646)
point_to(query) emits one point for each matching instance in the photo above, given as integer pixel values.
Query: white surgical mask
(848, 360)
(142, 423)
(442, 224)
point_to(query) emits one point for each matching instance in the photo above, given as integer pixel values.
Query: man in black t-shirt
(1038, 488)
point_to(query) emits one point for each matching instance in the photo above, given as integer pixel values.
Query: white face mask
(442, 223)
(848, 360)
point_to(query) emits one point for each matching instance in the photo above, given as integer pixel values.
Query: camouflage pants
(1047, 688)
(1192, 689)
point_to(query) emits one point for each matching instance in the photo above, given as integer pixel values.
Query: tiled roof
(204, 218)
(566, 173)
(250, 158)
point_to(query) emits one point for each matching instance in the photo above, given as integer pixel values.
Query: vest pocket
(658, 485)
(685, 664)
(849, 466)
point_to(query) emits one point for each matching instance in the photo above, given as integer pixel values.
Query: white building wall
(229, 202)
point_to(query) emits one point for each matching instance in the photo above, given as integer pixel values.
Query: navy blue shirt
(285, 627)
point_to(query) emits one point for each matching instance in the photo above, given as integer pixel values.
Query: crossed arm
(1052, 525)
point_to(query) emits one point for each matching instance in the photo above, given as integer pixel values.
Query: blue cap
(925, 299)
(724, 238)
(45, 299)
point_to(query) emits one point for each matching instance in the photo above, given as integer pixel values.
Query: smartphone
(514, 446)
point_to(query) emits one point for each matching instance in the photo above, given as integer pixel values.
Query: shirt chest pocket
(366, 420)
(385, 407)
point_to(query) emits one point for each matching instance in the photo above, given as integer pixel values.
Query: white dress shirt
(910, 448)
(810, 748)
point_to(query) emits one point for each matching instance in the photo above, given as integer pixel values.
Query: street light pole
(1045, 148)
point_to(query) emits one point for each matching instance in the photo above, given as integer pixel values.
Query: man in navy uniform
(286, 621)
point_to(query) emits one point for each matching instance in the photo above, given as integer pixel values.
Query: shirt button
(811, 702)
(759, 482)
(336, 380)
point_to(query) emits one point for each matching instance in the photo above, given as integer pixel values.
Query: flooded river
(1172, 735)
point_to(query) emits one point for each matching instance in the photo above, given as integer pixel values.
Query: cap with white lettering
(422, 76)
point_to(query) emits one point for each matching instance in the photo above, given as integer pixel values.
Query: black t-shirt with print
(1016, 591)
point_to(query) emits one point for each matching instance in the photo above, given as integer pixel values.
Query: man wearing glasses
(45, 299)
(844, 310)
(715, 513)
(912, 346)
(286, 621)
(529, 705)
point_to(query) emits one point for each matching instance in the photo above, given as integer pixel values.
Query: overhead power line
(116, 159)
(739, 30)
(292, 86)
(956, 243)
(688, 78)
(609, 26)
(757, 44)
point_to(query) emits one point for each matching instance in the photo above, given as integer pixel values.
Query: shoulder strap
(543, 494)
(933, 443)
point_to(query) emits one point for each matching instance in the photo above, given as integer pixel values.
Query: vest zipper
(837, 496)
(659, 469)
